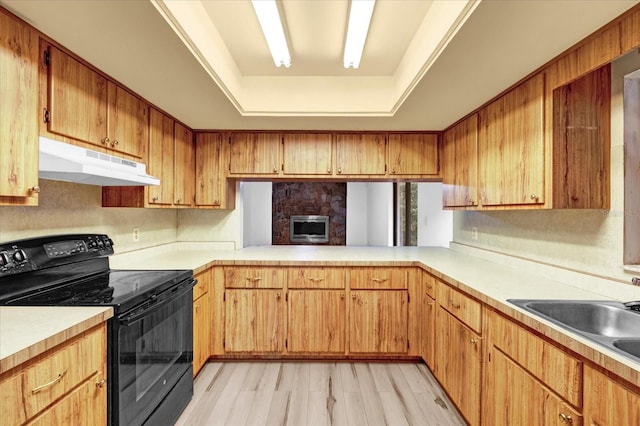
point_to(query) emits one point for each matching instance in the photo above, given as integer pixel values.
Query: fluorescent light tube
(269, 17)
(359, 19)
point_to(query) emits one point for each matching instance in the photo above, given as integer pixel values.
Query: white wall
(357, 234)
(380, 214)
(435, 225)
(257, 221)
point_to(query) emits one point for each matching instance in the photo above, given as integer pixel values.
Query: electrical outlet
(474, 233)
(136, 235)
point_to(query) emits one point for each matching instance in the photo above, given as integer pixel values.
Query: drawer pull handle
(51, 383)
(379, 280)
(35, 189)
(564, 418)
(254, 279)
(430, 303)
(101, 383)
(454, 305)
(315, 280)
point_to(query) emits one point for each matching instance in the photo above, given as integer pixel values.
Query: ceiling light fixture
(359, 19)
(269, 17)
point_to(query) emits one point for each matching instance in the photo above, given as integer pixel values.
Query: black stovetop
(80, 278)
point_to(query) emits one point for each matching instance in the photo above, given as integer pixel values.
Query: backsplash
(309, 198)
(66, 208)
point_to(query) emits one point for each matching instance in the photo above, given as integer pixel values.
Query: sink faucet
(634, 306)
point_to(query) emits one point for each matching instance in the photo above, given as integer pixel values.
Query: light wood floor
(318, 393)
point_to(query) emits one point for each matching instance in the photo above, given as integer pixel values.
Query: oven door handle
(158, 302)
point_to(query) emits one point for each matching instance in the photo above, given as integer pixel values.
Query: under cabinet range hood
(70, 163)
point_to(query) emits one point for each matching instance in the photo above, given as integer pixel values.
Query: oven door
(155, 349)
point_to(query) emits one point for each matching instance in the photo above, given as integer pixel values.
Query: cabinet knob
(353, 296)
(35, 189)
(154, 199)
(278, 295)
(473, 341)
(106, 140)
(339, 170)
(115, 142)
(328, 171)
(534, 197)
(100, 384)
(565, 418)
(275, 170)
(430, 303)
(472, 203)
(454, 305)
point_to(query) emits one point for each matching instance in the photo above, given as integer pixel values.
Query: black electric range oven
(149, 338)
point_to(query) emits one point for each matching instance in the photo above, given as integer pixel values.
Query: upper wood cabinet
(184, 172)
(84, 106)
(307, 154)
(213, 189)
(361, 154)
(413, 154)
(460, 164)
(161, 162)
(581, 135)
(128, 122)
(511, 147)
(255, 153)
(19, 116)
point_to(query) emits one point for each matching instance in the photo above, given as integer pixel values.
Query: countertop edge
(21, 355)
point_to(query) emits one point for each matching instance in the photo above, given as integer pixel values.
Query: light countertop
(489, 281)
(26, 332)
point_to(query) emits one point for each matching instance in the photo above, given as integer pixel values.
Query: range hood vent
(70, 163)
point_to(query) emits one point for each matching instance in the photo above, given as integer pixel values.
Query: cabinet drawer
(429, 284)
(316, 277)
(557, 370)
(254, 277)
(378, 278)
(44, 380)
(202, 287)
(464, 308)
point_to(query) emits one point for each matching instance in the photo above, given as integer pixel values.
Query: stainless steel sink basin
(608, 323)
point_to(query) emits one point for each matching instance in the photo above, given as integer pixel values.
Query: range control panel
(39, 253)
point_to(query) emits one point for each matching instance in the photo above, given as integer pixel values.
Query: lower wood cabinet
(428, 328)
(316, 321)
(459, 364)
(202, 320)
(378, 322)
(607, 402)
(254, 321)
(66, 385)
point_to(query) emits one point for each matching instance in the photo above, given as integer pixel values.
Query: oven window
(154, 352)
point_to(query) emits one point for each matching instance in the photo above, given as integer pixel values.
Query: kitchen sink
(608, 323)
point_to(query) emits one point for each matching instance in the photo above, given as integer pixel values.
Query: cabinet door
(161, 157)
(460, 164)
(316, 321)
(511, 147)
(128, 122)
(378, 321)
(19, 117)
(413, 154)
(77, 100)
(307, 153)
(254, 321)
(211, 180)
(201, 332)
(184, 178)
(361, 154)
(514, 397)
(458, 364)
(428, 330)
(607, 402)
(255, 154)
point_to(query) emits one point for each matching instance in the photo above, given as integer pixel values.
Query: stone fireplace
(309, 198)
